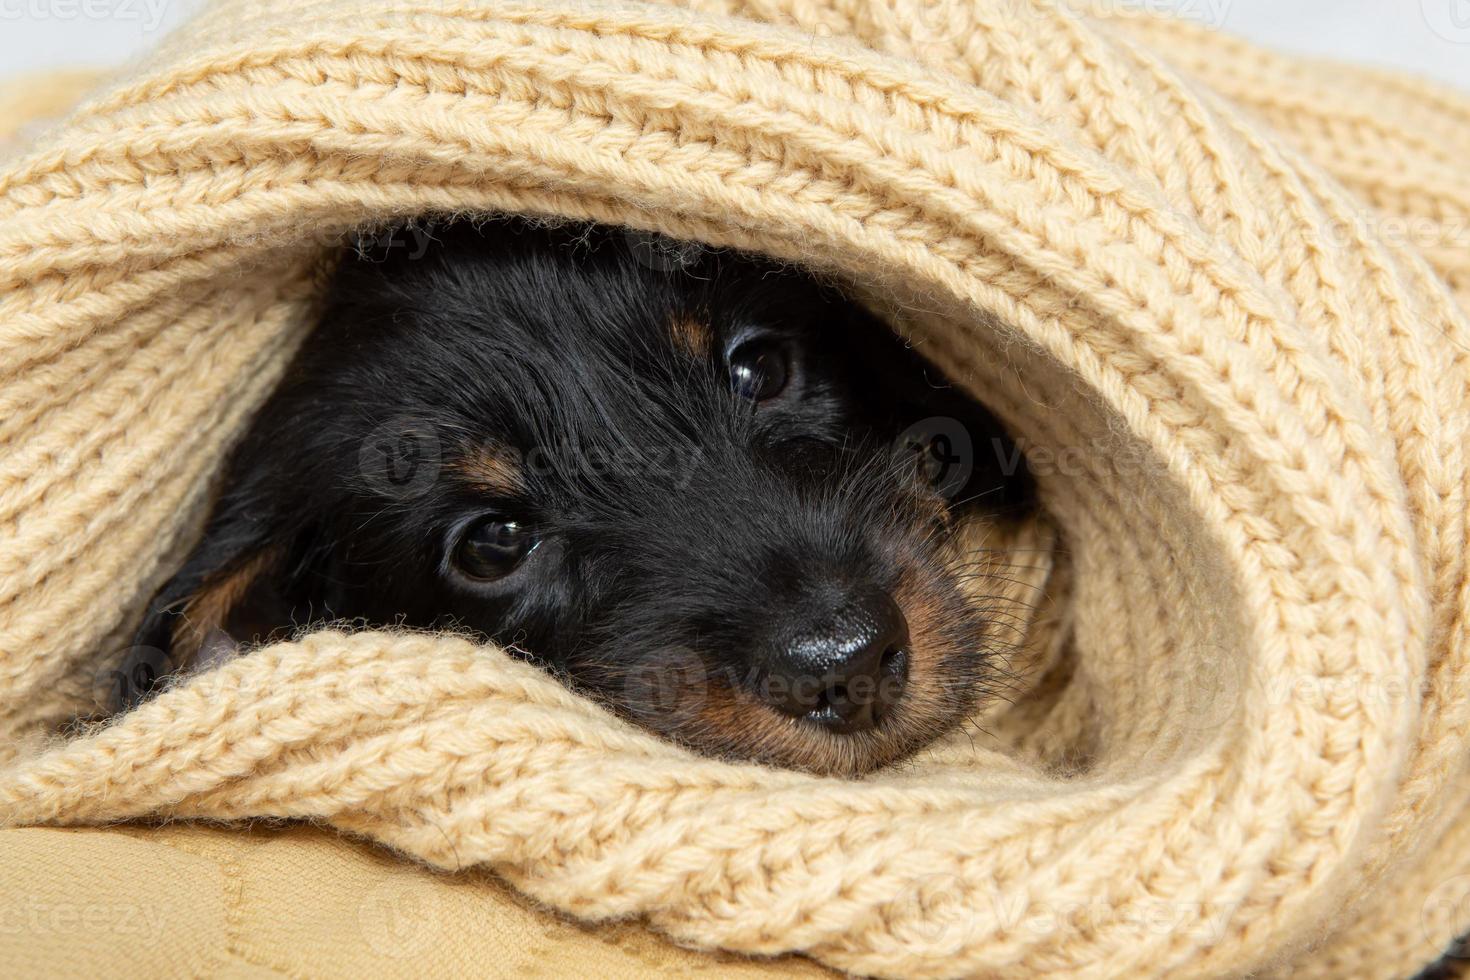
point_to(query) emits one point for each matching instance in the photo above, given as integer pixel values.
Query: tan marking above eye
(691, 335)
(494, 469)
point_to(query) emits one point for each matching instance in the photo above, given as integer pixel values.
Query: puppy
(688, 481)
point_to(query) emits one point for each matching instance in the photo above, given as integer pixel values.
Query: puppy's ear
(233, 589)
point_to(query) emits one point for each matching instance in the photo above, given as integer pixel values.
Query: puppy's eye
(492, 547)
(760, 370)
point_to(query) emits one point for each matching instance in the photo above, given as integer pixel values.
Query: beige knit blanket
(1220, 294)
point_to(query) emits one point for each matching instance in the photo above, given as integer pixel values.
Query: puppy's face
(670, 475)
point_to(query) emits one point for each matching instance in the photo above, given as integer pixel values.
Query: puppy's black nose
(843, 669)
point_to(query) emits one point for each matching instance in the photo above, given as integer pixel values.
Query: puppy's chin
(968, 606)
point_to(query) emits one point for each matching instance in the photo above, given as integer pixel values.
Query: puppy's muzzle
(840, 664)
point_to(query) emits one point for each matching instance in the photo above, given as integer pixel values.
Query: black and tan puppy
(611, 453)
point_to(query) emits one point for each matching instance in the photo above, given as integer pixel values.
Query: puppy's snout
(843, 668)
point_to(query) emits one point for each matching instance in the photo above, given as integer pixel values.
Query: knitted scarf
(1219, 294)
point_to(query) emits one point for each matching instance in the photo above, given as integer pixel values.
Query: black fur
(678, 522)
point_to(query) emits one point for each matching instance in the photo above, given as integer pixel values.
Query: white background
(1431, 37)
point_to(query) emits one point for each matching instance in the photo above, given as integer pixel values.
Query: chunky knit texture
(1221, 295)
